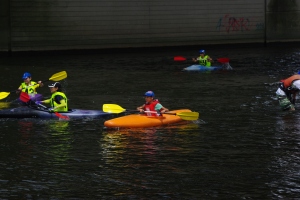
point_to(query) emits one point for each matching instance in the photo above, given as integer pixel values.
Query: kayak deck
(143, 121)
(202, 68)
(27, 112)
(225, 66)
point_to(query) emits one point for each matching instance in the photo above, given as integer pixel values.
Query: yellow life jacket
(31, 88)
(203, 61)
(53, 103)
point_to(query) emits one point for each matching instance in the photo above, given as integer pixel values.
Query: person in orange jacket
(287, 92)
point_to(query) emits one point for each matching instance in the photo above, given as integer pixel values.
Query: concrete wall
(283, 20)
(33, 25)
(4, 26)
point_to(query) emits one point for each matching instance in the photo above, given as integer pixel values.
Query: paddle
(26, 98)
(179, 58)
(114, 108)
(55, 77)
(221, 60)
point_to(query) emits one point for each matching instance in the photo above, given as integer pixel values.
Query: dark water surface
(242, 147)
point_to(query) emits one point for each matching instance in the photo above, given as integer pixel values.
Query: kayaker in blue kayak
(152, 107)
(30, 87)
(58, 100)
(203, 59)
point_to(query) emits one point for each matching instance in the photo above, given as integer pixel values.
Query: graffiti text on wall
(233, 24)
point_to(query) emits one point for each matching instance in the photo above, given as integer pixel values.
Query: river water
(242, 147)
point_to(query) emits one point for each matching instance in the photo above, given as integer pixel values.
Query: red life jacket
(151, 107)
(288, 82)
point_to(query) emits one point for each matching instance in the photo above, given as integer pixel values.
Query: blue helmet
(298, 72)
(26, 75)
(149, 94)
(202, 51)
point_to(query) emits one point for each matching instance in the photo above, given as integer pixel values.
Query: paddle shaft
(221, 60)
(56, 113)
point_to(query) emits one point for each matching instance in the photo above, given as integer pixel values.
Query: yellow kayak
(143, 121)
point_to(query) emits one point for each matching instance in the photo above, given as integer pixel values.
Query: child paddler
(152, 104)
(30, 87)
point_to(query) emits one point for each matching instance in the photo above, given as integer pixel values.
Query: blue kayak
(201, 68)
(40, 113)
(225, 66)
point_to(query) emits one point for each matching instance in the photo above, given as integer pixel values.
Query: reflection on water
(26, 148)
(143, 158)
(286, 161)
(59, 143)
(4, 105)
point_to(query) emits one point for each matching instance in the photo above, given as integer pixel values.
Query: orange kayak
(143, 121)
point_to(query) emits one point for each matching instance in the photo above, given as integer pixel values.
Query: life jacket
(151, 107)
(29, 89)
(54, 103)
(203, 61)
(289, 81)
(286, 84)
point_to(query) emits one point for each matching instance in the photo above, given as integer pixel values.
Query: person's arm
(159, 108)
(195, 59)
(210, 59)
(164, 110)
(46, 101)
(19, 89)
(36, 86)
(141, 108)
(41, 84)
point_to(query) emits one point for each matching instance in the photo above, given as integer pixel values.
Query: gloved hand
(51, 110)
(38, 102)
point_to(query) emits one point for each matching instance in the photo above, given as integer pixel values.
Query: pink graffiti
(235, 23)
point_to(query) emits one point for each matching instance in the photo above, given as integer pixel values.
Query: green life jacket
(203, 61)
(30, 89)
(54, 103)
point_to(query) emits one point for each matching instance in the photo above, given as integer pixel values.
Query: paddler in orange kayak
(152, 107)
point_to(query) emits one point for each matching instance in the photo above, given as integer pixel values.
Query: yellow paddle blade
(4, 94)
(112, 108)
(186, 115)
(58, 76)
